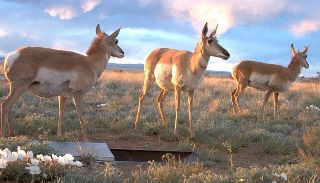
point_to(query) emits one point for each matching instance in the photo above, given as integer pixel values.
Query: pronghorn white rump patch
(10, 59)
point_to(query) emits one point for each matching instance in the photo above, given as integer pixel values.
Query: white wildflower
(72, 163)
(3, 154)
(21, 153)
(34, 170)
(241, 180)
(46, 158)
(40, 157)
(61, 161)
(12, 157)
(68, 159)
(78, 163)
(54, 157)
(6, 152)
(34, 162)
(313, 108)
(284, 176)
(103, 105)
(3, 163)
(29, 154)
(275, 174)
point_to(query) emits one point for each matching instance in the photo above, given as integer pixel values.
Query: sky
(260, 30)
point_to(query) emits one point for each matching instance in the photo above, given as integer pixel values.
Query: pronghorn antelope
(267, 77)
(49, 73)
(179, 70)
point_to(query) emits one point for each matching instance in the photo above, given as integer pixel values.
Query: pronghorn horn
(205, 30)
(115, 33)
(305, 49)
(98, 30)
(293, 51)
(213, 33)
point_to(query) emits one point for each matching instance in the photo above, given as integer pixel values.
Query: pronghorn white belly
(50, 83)
(163, 76)
(265, 81)
(260, 81)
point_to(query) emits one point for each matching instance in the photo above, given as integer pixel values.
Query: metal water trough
(149, 155)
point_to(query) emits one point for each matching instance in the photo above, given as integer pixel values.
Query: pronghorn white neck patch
(11, 58)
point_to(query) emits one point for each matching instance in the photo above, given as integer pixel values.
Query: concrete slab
(100, 151)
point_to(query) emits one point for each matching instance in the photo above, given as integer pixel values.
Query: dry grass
(287, 137)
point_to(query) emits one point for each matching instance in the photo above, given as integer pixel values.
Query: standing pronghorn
(49, 73)
(179, 70)
(267, 77)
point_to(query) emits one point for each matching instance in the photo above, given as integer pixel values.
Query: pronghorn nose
(121, 51)
(227, 53)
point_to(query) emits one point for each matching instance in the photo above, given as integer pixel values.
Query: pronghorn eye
(210, 41)
(116, 41)
(306, 56)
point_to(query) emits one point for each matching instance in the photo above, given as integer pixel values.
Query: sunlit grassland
(294, 137)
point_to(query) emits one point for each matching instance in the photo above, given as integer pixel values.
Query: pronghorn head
(111, 42)
(302, 56)
(211, 46)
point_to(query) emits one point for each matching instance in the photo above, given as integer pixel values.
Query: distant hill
(139, 67)
(132, 67)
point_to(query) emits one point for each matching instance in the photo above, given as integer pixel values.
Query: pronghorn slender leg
(6, 106)
(10, 121)
(266, 98)
(275, 104)
(177, 94)
(77, 99)
(146, 83)
(190, 104)
(233, 99)
(240, 89)
(161, 97)
(62, 101)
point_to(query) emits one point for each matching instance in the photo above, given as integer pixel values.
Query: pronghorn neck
(294, 68)
(199, 59)
(99, 54)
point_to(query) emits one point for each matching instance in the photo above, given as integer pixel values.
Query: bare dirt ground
(251, 155)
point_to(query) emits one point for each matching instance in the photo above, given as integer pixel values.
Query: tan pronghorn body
(178, 70)
(267, 77)
(49, 73)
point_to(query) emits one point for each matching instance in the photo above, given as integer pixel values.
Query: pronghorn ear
(205, 30)
(115, 33)
(213, 33)
(98, 30)
(293, 51)
(305, 50)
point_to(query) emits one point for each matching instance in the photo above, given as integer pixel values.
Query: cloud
(227, 13)
(219, 65)
(89, 5)
(152, 34)
(304, 27)
(29, 36)
(3, 33)
(63, 12)
(65, 45)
